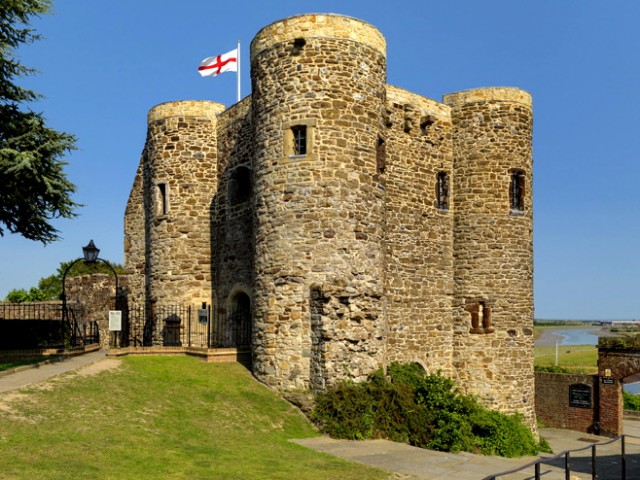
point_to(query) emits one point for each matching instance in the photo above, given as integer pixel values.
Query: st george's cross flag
(212, 66)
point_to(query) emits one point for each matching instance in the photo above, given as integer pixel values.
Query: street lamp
(89, 255)
(90, 252)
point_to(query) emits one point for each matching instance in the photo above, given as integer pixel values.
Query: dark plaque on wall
(580, 396)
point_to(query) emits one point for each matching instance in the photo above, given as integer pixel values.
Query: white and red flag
(212, 66)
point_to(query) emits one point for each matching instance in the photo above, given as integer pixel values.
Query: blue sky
(105, 64)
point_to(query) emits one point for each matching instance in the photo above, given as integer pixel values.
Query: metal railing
(565, 460)
(180, 326)
(33, 325)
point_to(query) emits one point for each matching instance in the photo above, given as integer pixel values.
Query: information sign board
(115, 320)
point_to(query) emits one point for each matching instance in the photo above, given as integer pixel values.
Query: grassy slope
(164, 418)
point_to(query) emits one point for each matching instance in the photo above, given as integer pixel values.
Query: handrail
(567, 455)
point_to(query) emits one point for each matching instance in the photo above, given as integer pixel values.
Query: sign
(115, 320)
(580, 395)
(607, 380)
(203, 315)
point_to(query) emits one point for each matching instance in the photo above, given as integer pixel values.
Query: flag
(212, 66)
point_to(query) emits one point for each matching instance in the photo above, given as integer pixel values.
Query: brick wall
(552, 401)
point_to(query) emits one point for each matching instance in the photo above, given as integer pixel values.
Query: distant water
(632, 388)
(586, 336)
(575, 336)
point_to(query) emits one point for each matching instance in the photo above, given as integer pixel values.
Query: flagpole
(238, 73)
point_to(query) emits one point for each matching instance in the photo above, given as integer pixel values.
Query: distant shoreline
(548, 336)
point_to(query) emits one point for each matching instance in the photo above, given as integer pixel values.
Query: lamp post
(89, 255)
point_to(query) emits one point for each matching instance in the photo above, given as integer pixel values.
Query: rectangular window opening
(162, 199)
(442, 193)
(299, 139)
(381, 156)
(517, 190)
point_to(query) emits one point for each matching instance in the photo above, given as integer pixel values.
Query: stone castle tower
(348, 222)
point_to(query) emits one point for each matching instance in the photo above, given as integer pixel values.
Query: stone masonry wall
(493, 248)
(319, 216)
(233, 216)
(419, 236)
(181, 157)
(96, 294)
(135, 239)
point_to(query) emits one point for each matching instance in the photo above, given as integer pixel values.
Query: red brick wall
(552, 401)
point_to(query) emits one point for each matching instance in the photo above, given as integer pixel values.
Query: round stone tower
(493, 247)
(318, 98)
(180, 180)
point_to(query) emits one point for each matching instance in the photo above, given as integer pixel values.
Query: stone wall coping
(430, 106)
(234, 113)
(185, 108)
(318, 25)
(485, 94)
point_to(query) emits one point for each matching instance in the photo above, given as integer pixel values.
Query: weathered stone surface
(391, 236)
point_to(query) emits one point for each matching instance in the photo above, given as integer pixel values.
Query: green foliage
(631, 401)
(423, 410)
(348, 412)
(21, 295)
(551, 369)
(50, 288)
(619, 343)
(34, 187)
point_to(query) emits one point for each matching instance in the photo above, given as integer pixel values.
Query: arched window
(240, 189)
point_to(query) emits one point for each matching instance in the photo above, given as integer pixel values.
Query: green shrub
(423, 410)
(504, 435)
(631, 401)
(551, 369)
(345, 411)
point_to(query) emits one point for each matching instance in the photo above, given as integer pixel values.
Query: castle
(348, 222)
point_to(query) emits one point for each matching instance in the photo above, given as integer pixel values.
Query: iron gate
(182, 326)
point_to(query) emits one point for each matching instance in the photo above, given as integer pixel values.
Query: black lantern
(90, 252)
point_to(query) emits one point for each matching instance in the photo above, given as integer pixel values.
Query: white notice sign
(115, 320)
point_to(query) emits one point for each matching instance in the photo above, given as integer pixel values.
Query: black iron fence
(598, 461)
(180, 326)
(31, 325)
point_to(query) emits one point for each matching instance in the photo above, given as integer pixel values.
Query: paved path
(40, 373)
(416, 463)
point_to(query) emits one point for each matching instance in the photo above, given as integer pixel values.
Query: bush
(551, 369)
(423, 410)
(345, 411)
(631, 401)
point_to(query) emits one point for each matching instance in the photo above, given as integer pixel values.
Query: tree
(34, 188)
(50, 288)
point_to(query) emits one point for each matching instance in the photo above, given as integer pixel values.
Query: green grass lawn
(575, 358)
(18, 363)
(160, 418)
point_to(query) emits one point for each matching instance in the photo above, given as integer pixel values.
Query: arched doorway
(239, 320)
(618, 363)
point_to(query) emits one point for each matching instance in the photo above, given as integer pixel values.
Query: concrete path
(35, 374)
(415, 463)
